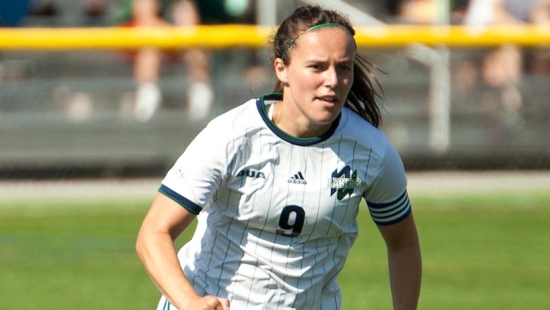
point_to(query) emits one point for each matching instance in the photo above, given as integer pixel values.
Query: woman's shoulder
(236, 121)
(237, 114)
(351, 124)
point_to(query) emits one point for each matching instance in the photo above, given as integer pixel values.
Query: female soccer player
(276, 185)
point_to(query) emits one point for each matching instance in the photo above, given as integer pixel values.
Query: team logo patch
(343, 182)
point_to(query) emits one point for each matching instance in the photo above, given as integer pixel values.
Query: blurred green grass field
(485, 252)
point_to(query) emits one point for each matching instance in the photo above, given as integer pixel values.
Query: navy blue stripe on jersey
(283, 135)
(390, 212)
(184, 202)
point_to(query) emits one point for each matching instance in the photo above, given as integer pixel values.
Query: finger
(212, 302)
(219, 303)
(225, 303)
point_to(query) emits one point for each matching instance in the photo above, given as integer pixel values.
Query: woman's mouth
(331, 100)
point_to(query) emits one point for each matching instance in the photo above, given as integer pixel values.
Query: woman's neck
(296, 124)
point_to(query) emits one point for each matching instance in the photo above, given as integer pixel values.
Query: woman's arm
(164, 222)
(405, 263)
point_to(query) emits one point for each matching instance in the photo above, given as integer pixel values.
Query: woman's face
(316, 81)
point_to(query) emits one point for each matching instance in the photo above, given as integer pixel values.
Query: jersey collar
(260, 104)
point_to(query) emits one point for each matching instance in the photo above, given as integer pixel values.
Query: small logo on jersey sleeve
(251, 173)
(298, 178)
(343, 182)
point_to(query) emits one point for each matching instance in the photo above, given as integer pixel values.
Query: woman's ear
(281, 70)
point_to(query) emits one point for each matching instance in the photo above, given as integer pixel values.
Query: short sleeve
(198, 172)
(387, 197)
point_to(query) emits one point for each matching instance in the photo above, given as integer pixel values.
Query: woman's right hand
(208, 303)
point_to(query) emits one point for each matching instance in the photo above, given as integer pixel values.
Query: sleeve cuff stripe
(390, 210)
(394, 212)
(394, 219)
(184, 202)
(390, 204)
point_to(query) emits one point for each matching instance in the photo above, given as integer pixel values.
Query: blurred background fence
(66, 111)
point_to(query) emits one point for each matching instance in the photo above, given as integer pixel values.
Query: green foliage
(480, 252)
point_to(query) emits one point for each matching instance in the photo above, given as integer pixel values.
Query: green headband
(309, 29)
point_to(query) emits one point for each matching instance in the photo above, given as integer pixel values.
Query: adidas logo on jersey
(298, 178)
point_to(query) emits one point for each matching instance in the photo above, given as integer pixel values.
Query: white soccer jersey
(277, 214)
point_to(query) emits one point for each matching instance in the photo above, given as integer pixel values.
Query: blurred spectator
(503, 67)
(540, 16)
(415, 11)
(12, 13)
(148, 60)
(92, 12)
(426, 11)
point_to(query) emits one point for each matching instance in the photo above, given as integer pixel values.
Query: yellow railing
(242, 35)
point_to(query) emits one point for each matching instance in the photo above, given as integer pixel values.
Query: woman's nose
(331, 77)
